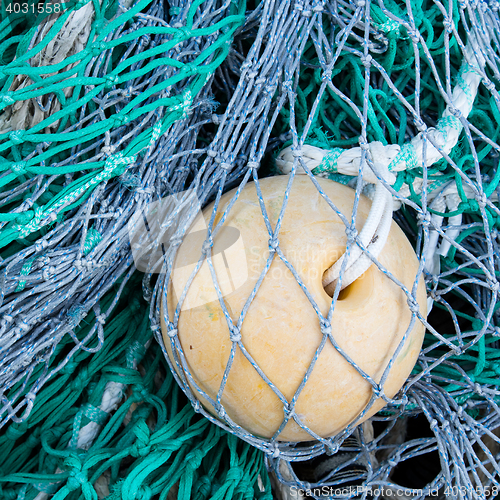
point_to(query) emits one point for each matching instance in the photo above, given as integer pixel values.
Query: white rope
(372, 237)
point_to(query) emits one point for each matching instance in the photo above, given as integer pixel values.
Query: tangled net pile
(107, 108)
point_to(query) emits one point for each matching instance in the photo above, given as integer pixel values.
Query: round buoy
(281, 330)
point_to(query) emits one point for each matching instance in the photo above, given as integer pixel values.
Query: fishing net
(110, 108)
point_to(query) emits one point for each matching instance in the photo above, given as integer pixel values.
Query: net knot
(251, 75)
(448, 25)
(221, 413)
(319, 7)
(270, 89)
(234, 334)
(76, 479)
(141, 447)
(189, 69)
(424, 219)
(120, 119)
(171, 330)
(101, 319)
(351, 233)
(413, 305)
(367, 60)
(297, 152)
(327, 74)
(211, 153)
(17, 136)
(7, 99)
(144, 493)
(493, 285)
(204, 485)
(16, 431)
(48, 272)
(287, 86)
(273, 244)
(108, 150)
(98, 48)
(207, 245)
(18, 168)
(414, 35)
(481, 200)
(182, 32)
(225, 165)
(325, 325)
(234, 474)
(455, 112)
(289, 411)
(145, 40)
(378, 391)
(110, 81)
(253, 164)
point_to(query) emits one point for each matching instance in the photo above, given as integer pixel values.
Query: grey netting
(118, 138)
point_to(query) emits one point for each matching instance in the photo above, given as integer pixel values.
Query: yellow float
(281, 330)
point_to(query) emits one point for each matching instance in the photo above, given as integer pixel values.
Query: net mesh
(109, 107)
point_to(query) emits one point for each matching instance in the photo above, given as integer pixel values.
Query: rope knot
(234, 334)
(120, 119)
(288, 411)
(234, 474)
(378, 391)
(189, 69)
(367, 60)
(182, 32)
(171, 331)
(351, 233)
(253, 164)
(448, 25)
(493, 285)
(17, 136)
(77, 478)
(110, 81)
(16, 431)
(221, 412)
(273, 244)
(101, 319)
(98, 48)
(7, 99)
(207, 245)
(424, 219)
(327, 74)
(413, 304)
(141, 447)
(325, 325)
(18, 168)
(144, 493)
(414, 35)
